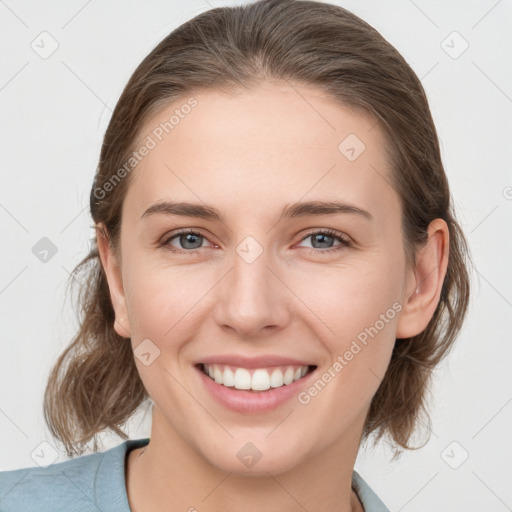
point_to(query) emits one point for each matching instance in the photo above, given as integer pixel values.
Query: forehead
(261, 148)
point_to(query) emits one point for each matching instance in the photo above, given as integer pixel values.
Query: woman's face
(276, 273)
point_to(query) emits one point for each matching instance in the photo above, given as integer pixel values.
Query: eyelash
(344, 242)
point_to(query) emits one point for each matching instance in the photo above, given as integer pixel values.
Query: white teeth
(288, 376)
(276, 379)
(229, 377)
(217, 375)
(242, 379)
(261, 379)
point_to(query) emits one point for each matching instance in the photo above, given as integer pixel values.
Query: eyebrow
(293, 210)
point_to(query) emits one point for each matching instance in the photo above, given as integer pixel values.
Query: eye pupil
(321, 238)
(190, 238)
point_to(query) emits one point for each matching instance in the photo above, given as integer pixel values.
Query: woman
(277, 268)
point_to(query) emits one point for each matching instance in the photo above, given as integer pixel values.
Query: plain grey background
(55, 109)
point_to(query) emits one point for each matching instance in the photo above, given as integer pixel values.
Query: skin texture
(250, 154)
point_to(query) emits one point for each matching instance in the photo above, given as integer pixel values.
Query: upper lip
(262, 361)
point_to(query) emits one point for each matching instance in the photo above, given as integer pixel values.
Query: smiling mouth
(255, 379)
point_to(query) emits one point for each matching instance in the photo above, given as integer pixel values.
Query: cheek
(356, 308)
(350, 298)
(360, 312)
(162, 300)
(164, 304)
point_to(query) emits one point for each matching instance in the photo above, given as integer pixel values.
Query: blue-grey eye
(322, 240)
(187, 240)
(326, 240)
(190, 240)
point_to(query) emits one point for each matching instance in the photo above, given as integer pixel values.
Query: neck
(168, 474)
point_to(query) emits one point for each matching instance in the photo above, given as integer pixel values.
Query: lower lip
(253, 401)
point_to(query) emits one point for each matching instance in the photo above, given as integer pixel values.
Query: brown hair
(94, 385)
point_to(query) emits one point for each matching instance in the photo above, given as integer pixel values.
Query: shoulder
(370, 501)
(67, 484)
(89, 482)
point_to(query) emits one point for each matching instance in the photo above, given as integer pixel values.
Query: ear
(425, 282)
(115, 281)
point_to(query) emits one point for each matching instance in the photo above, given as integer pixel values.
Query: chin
(255, 458)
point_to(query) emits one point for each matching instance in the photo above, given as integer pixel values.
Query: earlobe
(120, 326)
(115, 282)
(425, 282)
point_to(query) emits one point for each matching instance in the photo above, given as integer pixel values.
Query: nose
(251, 299)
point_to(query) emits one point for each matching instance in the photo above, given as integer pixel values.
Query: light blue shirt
(96, 483)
